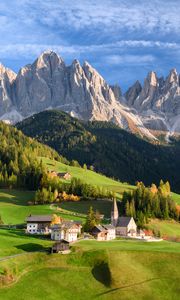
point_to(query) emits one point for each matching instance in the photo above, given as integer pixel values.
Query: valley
(106, 270)
(89, 150)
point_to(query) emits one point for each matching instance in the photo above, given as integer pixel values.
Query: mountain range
(149, 110)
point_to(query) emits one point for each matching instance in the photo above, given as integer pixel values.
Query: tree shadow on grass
(32, 247)
(127, 286)
(101, 273)
(23, 234)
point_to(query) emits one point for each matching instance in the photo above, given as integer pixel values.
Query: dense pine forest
(19, 166)
(106, 147)
(150, 202)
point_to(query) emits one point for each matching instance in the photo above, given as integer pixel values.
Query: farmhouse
(66, 176)
(104, 232)
(60, 247)
(39, 224)
(67, 230)
(125, 226)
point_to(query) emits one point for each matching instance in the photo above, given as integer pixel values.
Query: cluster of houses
(70, 230)
(63, 230)
(120, 226)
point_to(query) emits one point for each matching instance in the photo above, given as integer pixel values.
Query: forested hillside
(108, 148)
(19, 166)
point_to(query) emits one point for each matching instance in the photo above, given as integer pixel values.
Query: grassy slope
(14, 207)
(129, 245)
(16, 241)
(95, 178)
(167, 228)
(88, 176)
(107, 270)
(176, 198)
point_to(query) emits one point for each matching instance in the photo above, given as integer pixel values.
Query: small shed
(60, 247)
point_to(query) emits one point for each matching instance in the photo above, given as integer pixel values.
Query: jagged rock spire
(114, 213)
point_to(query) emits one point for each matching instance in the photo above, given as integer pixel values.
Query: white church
(125, 226)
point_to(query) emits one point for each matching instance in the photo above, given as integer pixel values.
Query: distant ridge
(109, 149)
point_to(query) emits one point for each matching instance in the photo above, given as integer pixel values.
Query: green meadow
(13, 242)
(168, 228)
(95, 270)
(14, 207)
(119, 269)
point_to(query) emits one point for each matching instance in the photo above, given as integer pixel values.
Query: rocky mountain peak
(7, 73)
(117, 91)
(173, 77)
(49, 59)
(152, 79)
(2, 69)
(76, 66)
(133, 92)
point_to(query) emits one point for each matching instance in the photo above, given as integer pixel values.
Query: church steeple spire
(114, 213)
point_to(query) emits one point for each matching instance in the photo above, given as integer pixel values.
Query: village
(65, 232)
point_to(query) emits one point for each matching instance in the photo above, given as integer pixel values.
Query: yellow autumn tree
(56, 219)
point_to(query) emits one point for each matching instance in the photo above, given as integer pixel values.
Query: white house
(65, 231)
(39, 224)
(111, 232)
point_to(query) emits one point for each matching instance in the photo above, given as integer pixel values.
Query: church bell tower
(114, 213)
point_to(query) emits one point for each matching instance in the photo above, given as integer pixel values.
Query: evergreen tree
(91, 220)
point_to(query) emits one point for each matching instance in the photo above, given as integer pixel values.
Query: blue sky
(122, 39)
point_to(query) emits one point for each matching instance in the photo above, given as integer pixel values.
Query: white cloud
(109, 18)
(129, 59)
(30, 50)
(110, 15)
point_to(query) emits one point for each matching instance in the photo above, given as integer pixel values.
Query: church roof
(124, 221)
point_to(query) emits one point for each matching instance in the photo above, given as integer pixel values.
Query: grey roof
(77, 222)
(124, 221)
(39, 218)
(108, 226)
(60, 242)
(99, 228)
(63, 173)
(64, 224)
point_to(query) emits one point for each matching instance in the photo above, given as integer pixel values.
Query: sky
(122, 39)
